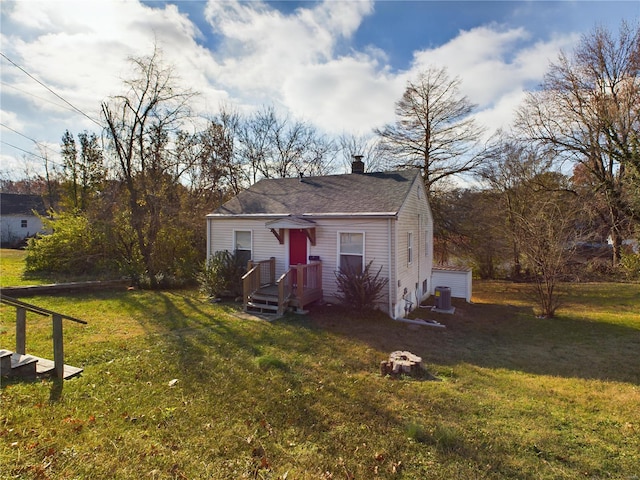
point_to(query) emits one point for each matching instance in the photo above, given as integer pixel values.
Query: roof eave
(308, 215)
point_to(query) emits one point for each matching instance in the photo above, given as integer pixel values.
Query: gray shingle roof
(332, 194)
(20, 204)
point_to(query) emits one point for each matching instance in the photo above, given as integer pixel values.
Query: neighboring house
(309, 227)
(19, 217)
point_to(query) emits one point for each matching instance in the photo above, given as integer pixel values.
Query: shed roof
(21, 204)
(349, 194)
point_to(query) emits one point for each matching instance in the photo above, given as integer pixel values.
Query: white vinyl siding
(14, 228)
(414, 234)
(264, 244)
(458, 280)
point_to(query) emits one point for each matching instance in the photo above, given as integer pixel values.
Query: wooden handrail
(35, 309)
(284, 290)
(21, 329)
(250, 283)
(267, 270)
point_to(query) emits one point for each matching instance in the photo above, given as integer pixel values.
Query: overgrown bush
(630, 265)
(360, 290)
(76, 247)
(222, 275)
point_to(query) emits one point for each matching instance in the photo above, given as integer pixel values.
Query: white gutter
(310, 215)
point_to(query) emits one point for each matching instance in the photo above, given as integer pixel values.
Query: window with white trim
(351, 251)
(242, 245)
(409, 248)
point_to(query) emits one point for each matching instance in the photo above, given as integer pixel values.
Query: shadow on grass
(501, 336)
(486, 335)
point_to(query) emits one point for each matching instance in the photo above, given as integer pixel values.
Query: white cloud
(349, 94)
(299, 62)
(262, 48)
(496, 66)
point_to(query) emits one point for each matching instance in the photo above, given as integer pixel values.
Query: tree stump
(402, 363)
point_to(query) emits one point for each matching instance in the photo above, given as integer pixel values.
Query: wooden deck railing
(298, 286)
(305, 283)
(284, 290)
(258, 274)
(267, 275)
(21, 329)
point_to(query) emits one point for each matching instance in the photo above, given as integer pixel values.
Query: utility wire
(5, 84)
(49, 89)
(31, 153)
(40, 144)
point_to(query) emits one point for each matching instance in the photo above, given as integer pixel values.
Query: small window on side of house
(351, 252)
(242, 245)
(23, 223)
(409, 248)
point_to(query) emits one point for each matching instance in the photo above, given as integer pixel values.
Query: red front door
(297, 251)
(297, 246)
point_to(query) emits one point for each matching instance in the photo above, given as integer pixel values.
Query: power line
(31, 153)
(40, 144)
(50, 90)
(5, 84)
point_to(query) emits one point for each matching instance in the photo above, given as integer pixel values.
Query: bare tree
(588, 111)
(516, 173)
(278, 147)
(366, 145)
(548, 235)
(541, 216)
(142, 124)
(434, 129)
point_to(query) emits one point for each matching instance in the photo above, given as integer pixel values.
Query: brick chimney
(357, 166)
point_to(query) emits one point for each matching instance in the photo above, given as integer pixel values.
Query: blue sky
(340, 65)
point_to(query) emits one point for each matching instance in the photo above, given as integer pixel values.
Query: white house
(19, 217)
(310, 227)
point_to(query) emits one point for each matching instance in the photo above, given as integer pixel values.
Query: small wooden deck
(299, 286)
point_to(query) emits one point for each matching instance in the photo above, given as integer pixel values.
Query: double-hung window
(351, 252)
(242, 245)
(409, 248)
(23, 223)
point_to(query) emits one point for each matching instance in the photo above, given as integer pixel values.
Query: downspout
(208, 239)
(391, 312)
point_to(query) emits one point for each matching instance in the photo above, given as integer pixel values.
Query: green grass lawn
(12, 268)
(302, 397)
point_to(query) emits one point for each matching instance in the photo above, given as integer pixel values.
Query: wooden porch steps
(263, 301)
(30, 366)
